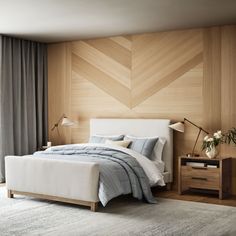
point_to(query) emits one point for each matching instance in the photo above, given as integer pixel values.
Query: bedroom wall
(173, 75)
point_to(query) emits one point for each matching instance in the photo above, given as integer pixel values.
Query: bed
(86, 174)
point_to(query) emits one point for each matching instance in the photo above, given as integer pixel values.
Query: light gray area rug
(125, 216)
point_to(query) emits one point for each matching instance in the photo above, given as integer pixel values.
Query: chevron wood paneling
(103, 62)
(157, 60)
(172, 75)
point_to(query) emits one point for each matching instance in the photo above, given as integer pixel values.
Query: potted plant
(230, 136)
(210, 143)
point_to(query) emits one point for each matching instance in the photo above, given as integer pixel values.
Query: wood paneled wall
(228, 88)
(175, 74)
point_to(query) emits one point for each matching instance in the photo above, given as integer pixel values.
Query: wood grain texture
(59, 74)
(101, 80)
(228, 88)
(102, 62)
(188, 73)
(158, 59)
(143, 92)
(113, 50)
(93, 205)
(206, 178)
(155, 64)
(196, 197)
(212, 78)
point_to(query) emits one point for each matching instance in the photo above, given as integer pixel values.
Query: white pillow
(124, 143)
(158, 150)
(96, 138)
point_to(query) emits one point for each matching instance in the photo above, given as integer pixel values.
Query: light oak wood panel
(100, 79)
(181, 98)
(159, 59)
(212, 79)
(102, 62)
(92, 60)
(112, 49)
(162, 54)
(146, 90)
(228, 85)
(228, 88)
(122, 41)
(89, 101)
(59, 86)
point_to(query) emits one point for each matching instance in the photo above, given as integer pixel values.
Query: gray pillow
(103, 138)
(143, 146)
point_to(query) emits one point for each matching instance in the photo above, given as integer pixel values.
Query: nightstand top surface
(205, 158)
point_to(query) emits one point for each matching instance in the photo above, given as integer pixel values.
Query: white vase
(212, 152)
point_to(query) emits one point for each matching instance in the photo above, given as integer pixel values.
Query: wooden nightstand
(194, 176)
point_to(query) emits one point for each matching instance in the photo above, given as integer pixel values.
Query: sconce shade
(67, 122)
(179, 126)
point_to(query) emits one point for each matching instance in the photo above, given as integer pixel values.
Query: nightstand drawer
(202, 182)
(189, 171)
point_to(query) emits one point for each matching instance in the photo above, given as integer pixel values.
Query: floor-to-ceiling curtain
(23, 97)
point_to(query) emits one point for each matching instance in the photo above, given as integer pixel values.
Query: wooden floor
(196, 197)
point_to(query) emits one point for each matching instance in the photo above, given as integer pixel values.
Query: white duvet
(150, 168)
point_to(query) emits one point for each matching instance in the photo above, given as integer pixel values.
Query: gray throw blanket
(120, 173)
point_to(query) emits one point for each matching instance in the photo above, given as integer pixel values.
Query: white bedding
(153, 170)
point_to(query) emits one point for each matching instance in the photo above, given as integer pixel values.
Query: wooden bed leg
(94, 206)
(10, 194)
(168, 186)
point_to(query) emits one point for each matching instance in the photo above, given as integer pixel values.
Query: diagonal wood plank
(102, 62)
(165, 81)
(113, 50)
(101, 80)
(122, 41)
(157, 59)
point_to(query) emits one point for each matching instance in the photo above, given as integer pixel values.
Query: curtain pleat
(23, 97)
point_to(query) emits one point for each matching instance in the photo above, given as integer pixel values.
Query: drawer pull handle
(200, 178)
(199, 168)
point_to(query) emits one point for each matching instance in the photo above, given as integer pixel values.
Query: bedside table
(203, 173)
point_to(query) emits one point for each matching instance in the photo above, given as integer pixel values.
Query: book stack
(196, 164)
(200, 164)
(212, 166)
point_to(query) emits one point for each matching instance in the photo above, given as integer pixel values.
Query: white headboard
(139, 127)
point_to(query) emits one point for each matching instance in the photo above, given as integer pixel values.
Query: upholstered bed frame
(42, 178)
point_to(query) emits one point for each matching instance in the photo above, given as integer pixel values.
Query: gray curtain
(23, 97)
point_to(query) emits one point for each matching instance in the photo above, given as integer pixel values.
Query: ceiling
(65, 20)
